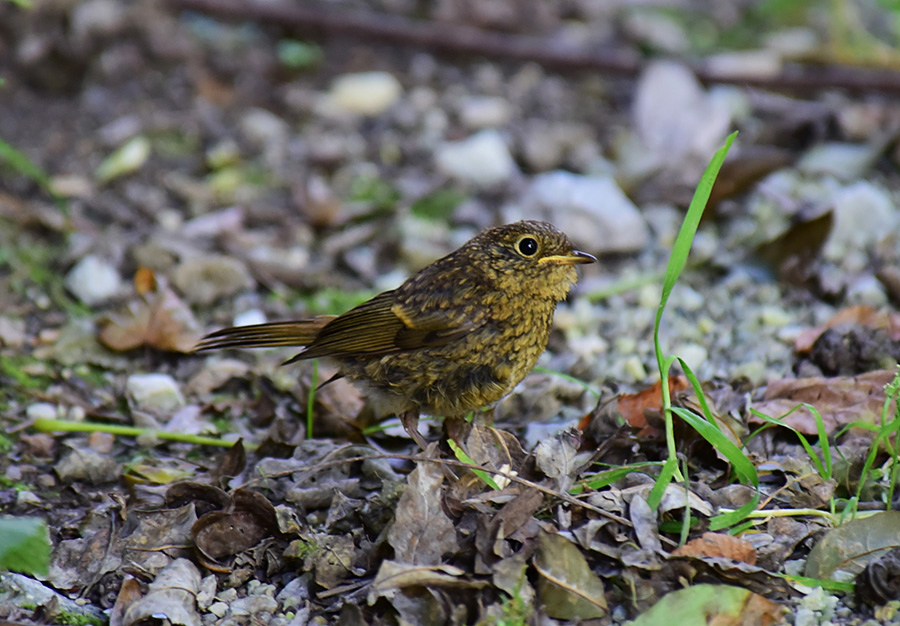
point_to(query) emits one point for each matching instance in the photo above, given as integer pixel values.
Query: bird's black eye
(527, 246)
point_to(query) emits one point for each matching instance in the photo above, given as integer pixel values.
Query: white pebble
(365, 93)
(634, 368)
(155, 392)
(590, 209)
(484, 112)
(693, 354)
(93, 280)
(41, 411)
(249, 318)
(482, 160)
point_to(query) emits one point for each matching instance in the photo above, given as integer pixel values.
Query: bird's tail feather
(274, 334)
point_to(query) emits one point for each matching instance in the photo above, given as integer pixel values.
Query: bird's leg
(410, 421)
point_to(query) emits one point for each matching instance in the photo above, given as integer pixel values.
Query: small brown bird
(455, 337)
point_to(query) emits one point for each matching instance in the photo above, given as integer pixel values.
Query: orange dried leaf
(144, 280)
(717, 545)
(161, 320)
(633, 407)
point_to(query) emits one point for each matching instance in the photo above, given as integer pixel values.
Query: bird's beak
(575, 257)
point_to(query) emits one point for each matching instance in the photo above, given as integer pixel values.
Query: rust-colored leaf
(719, 545)
(159, 319)
(634, 407)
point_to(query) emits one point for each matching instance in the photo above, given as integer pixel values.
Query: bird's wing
(385, 324)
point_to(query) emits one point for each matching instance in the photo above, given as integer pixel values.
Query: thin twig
(444, 37)
(420, 459)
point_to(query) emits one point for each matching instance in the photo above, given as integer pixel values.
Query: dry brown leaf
(840, 400)
(422, 534)
(633, 407)
(159, 320)
(860, 315)
(719, 545)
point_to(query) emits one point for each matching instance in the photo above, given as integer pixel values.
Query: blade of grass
(20, 162)
(52, 425)
(824, 466)
(677, 260)
(605, 478)
(462, 457)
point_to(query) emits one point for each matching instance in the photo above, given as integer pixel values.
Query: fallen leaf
(567, 588)
(859, 315)
(846, 550)
(792, 254)
(634, 406)
(719, 545)
(712, 605)
(159, 319)
(839, 400)
(422, 533)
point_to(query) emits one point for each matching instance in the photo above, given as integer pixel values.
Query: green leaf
(700, 605)
(126, 159)
(24, 545)
(299, 55)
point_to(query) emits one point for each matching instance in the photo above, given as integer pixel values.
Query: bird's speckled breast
(472, 372)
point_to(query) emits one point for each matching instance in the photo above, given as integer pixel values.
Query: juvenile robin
(456, 336)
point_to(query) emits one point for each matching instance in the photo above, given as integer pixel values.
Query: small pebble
(27, 497)
(42, 410)
(634, 369)
(805, 617)
(365, 93)
(482, 160)
(154, 392)
(693, 354)
(476, 112)
(219, 609)
(249, 318)
(203, 280)
(93, 280)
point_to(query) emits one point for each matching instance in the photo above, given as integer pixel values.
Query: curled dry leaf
(173, 594)
(879, 583)
(160, 319)
(718, 545)
(248, 519)
(792, 255)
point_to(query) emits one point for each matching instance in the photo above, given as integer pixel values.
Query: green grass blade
(607, 477)
(462, 457)
(743, 467)
(682, 245)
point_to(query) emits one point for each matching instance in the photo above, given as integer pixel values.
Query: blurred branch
(317, 19)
